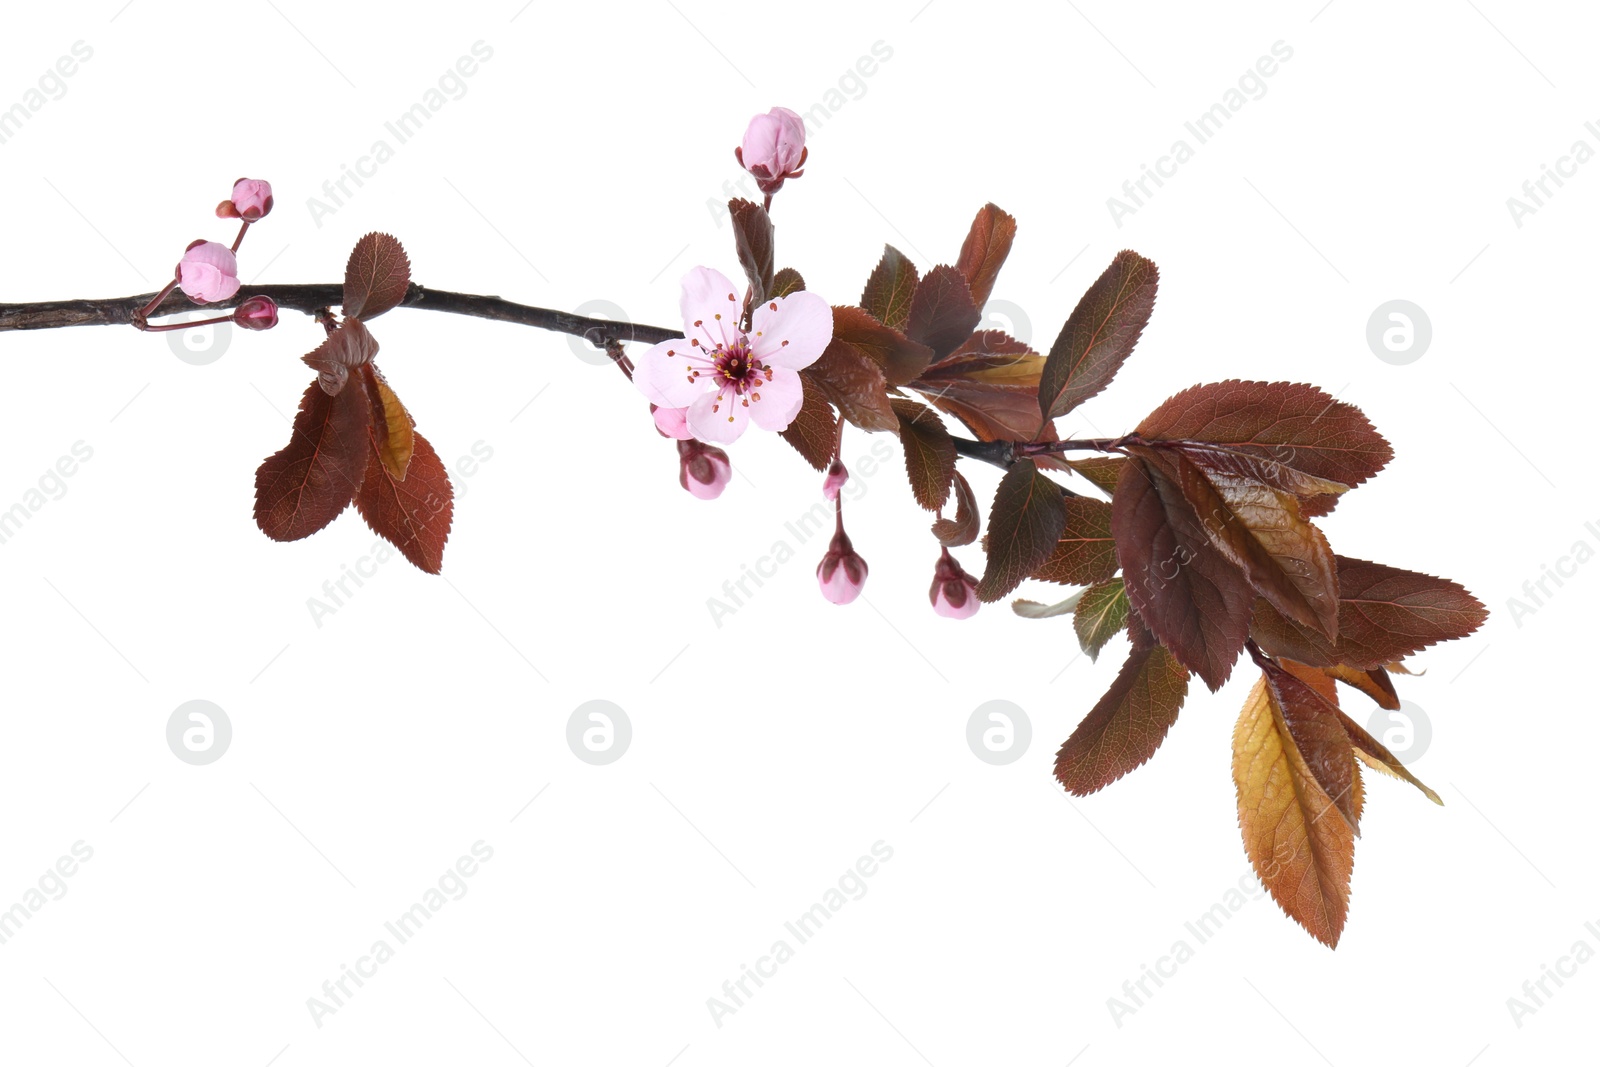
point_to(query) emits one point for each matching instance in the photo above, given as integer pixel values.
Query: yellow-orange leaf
(396, 439)
(1301, 848)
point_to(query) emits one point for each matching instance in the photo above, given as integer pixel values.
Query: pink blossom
(774, 148)
(842, 573)
(726, 377)
(257, 313)
(208, 271)
(252, 199)
(954, 593)
(703, 470)
(837, 476)
(671, 422)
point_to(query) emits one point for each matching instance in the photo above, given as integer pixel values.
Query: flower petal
(710, 306)
(791, 331)
(779, 402)
(719, 417)
(664, 374)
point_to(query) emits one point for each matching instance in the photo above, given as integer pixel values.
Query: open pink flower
(725, 377)
(208, 271)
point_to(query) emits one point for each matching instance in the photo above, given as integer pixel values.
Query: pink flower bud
(842, 573)
(954, 593)
(252, 199)
(837, 476)
(671, 422)
(774, 148)
(257, 313)
(208, 271)
(703, 469)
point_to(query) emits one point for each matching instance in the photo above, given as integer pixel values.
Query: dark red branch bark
(118, 311)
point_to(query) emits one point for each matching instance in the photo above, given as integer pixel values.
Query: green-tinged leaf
(752, 238)
(1032, 609)
(1025, 523)
(887, 296)
(1101, 471)
(929, 451)
(1099, 335)
(814, 431)
(1128, 724)
(1086, 552)
(942, 313)
(963, 529)
(1101, 615)
(786, 281)
(984, 251)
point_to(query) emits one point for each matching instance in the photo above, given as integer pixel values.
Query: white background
(371, 752)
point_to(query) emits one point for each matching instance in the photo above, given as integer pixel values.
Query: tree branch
(118, 311)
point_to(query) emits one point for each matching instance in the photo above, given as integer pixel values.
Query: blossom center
(737, 367)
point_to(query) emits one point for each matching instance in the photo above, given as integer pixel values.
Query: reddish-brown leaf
(1128, 724)
(1385, 615)
(376, 277)
(990, 383)
(1025, 523)
(929, 451)
(1301, 848)
(1259, 529)
(1375, 683)
(1295, 427)
(963, 529)
(854, 383)
(1374, 754)
(1314, 722)
(901, 359)
(887, 296)
(814, 431)
(1190, 596)
(306, 484)
(1099, 334)
(1086, 552)
(984, 251)
(752, 238)
(942, 313)
(346, 348)
(413, 515)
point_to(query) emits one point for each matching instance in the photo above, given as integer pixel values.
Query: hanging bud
(837, 476)
(703, 470)
(954, 593)
(842, 573)
(256, 313)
